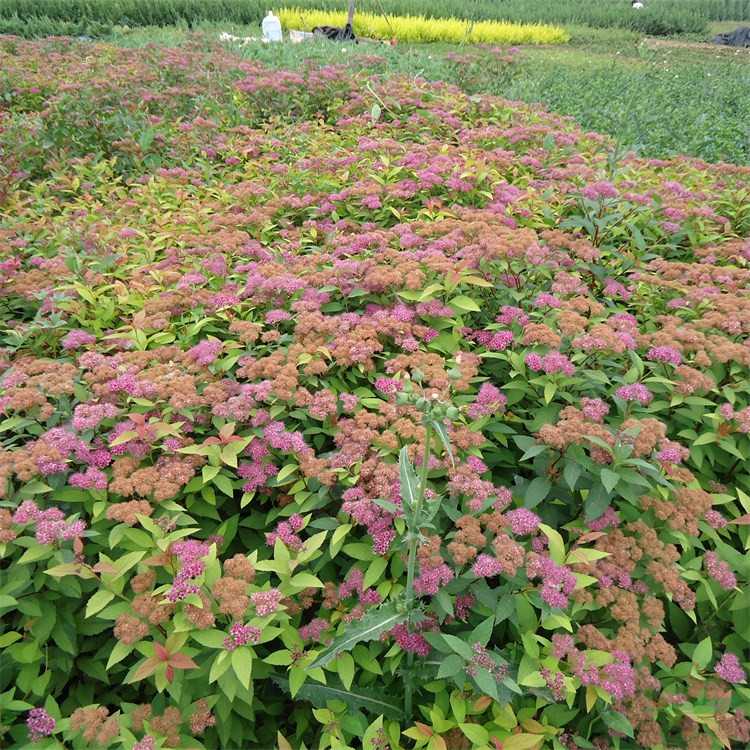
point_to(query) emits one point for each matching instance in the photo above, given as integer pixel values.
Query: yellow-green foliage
(420, 29)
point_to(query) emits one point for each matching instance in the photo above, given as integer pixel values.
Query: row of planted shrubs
(420, 29)
(668, 17)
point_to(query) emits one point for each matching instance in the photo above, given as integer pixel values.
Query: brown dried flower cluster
(95, 724)
(232, 596)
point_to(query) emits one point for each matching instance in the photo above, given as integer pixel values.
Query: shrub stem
(413, 545)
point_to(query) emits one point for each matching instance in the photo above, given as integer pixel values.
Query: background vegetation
(660, 17)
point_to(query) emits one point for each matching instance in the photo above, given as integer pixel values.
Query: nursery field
(352, 412)
(656, 97)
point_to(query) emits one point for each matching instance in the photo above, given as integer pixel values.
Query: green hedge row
(667, 17)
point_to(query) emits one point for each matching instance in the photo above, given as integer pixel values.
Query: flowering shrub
(348, 413)
(411, 28)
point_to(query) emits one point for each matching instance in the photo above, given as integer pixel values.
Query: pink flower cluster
(285, 532)
(313, 630)
(550, 363)
(509, 315)
(608, 518)
(77, 339)
(742, 416)
(558, 582)
(483, 659)
(523, 521)
(266, 602)
(618, 677)
(240, 635)
(430, 581)
(256, 473)
(486, 566)
(719, 570)
(354, 583)
(91, 479)
(40, 724)
(715, 519)
(729, 669)
(635, 392)
(555, 683)
(414, 642)
(594, 409)
(665, 354)
(290, 442)
(188, 552)
(489, 400)
(51, 525)
(388, 385)
(206, 352)
(87, 416)
(379, 522)
(493, 341)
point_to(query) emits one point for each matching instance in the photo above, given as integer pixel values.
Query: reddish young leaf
(146, 668)
(180, 661)
(161, 653)
(104, 567)
(156, 560)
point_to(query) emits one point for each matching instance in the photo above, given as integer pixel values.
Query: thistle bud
(402, 399)
(454, 373)
(452, 413)
(417, 376)
(422, 403)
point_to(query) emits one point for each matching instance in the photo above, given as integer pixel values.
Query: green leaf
(534, 450)
(451, 666)
(597, 501)
(618, 722)
(537, 490)
(7, 638)
(609, 479)
(572, 473)
(487, 684)
(459, 646)
(219, 667)
(242, 664)
(98, 602)
(409, 480)
(285, 472)
(549, 392)
(375, 702)
(477, 735)
(462, 303)
(224, 483)
(482, 632)
(35, 553)
(368, 628)
(556, 544)
(209, 638)
(442, 432)
(704, 439)
(345, 667)
(119, 652)
(703, 653)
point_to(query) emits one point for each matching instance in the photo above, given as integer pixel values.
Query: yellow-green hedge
(420, 29)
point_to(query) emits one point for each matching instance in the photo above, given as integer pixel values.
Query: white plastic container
(271, 28)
